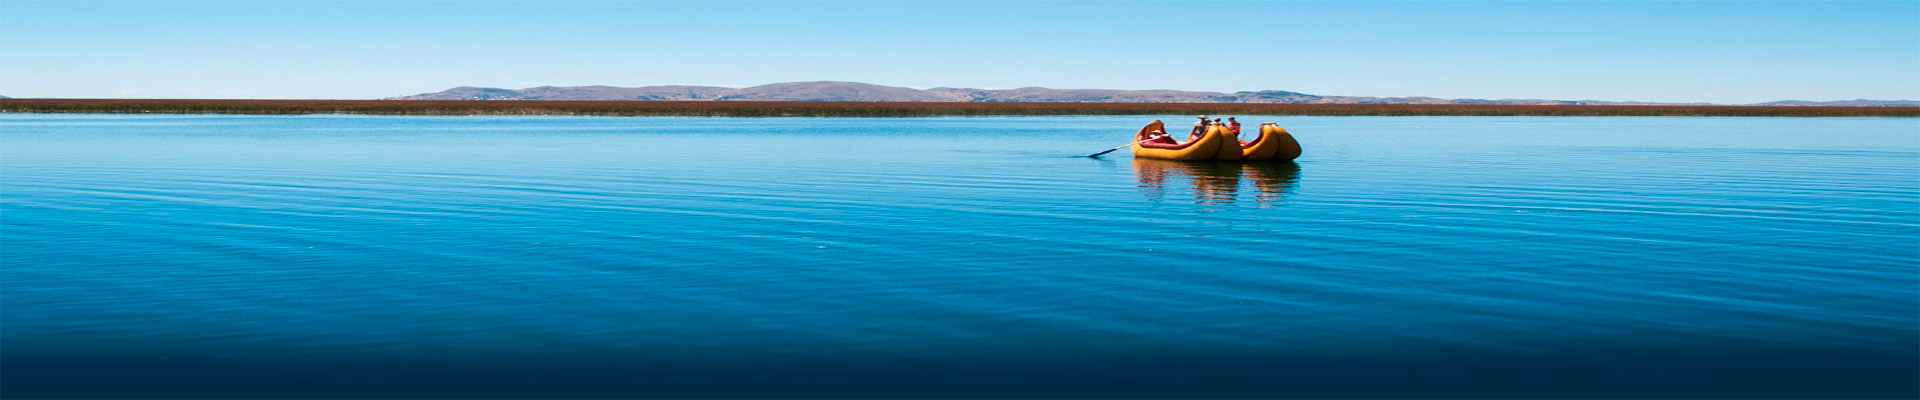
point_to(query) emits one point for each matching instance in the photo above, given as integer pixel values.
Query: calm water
(336, 256)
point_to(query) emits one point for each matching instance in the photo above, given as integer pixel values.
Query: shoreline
(894, 109)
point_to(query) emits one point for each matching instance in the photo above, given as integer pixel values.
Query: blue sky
(1725, 52)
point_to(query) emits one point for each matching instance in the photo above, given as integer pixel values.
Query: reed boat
(1214, 144)
(1273, 144)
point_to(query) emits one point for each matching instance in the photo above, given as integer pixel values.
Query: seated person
(1159, 136)
(1198, 129)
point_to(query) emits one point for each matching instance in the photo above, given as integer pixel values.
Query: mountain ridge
(858, 92)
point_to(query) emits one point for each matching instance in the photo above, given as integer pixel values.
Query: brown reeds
(891, 109)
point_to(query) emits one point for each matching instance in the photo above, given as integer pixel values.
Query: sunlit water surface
(357, 256)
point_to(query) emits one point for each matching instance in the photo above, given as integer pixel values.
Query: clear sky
(1724, 52)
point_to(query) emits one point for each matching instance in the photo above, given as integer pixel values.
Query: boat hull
(1274, 144)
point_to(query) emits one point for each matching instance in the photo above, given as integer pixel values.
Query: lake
(362, 256)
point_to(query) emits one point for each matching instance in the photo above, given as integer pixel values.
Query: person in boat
(1160, 136)
(1233, 126)
(1198, 128)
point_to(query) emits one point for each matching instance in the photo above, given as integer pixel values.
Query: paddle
(1125, 146)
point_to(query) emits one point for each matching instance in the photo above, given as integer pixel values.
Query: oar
(1125, 146)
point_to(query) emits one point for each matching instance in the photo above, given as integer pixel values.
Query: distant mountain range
(855, 91)
(1844, 103)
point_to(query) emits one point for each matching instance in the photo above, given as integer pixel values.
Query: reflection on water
(1271, 181)
(1216, 183)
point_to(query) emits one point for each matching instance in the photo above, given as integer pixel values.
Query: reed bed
(891, 109)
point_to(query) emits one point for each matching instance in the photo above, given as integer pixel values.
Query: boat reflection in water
(1217, 183)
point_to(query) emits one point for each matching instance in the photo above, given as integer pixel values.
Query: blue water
(360, 256)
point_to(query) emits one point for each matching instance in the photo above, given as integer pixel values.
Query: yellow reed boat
(1214, 144)
(1273, 144)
